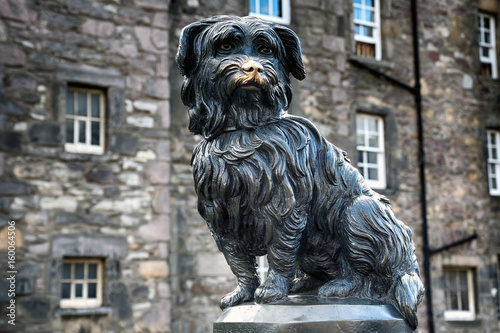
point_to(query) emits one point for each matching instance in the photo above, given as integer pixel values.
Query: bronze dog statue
(269, 183)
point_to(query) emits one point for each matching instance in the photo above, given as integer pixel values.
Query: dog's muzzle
(253, 72)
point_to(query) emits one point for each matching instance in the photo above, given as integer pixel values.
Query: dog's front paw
(337, 288)
(274, 289)
(237, 296)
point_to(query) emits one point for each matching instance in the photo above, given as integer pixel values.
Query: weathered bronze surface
(269, 183)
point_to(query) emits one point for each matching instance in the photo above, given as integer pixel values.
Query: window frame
(461, 315)
(381, 183)
(376, 40)
(492, 52)
(285, 8)
(492, 162)
(84, 301)
(87, 147)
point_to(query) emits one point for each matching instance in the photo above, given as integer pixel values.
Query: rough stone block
(158, 172)
(212, 264)
(100, 176)
(29, 170)
(156, 230)
(15, 9)
(66, 203)
(46, 133)
(12, 55)
(153, 269)
(161, 200)
(157, 88)
(139, 121)
(156, 319)
(37, 307)
(14, 188)
(164, 111)
(98, 28)
(10, 141)
(153, 4)
(89, 245)
(119, 299)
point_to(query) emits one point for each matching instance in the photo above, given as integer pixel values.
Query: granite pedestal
(311, 314)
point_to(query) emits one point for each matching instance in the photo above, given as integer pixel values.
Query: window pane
(92, 271)
(82, 104)
(463, 280)
(369, 16)
(357, 14)
(264, 7)
(494, 183)
(372, 158)
(66, 273)
(70, 102)
(70, 130)
(81, 131)
(252, 6)
(66, 290)
(92, 290)
(453, 300)
(369, 3)
(357, 29)
(487, 38)
(368, 31)
(486, 22)
(373, 141)
(494, 153)
(486, 52)
(96, 105)
(492, 169)
(372, 124)
(79, 269)
(78, 290)
(357, 2)
(465, 301)
(360, 157)
(277, 8)
(360, 139)
(372, 174)
(95, 133)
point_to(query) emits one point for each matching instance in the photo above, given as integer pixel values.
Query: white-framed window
(459, 294)
(81, 283)
(367, 28)
(487, 47)
(493, 147)
(272, 10)
(85, 120)
(262, 268)
(370, 141)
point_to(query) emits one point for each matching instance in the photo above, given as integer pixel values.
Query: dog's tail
(408, 293)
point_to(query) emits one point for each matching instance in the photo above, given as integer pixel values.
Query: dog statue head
(237, 73)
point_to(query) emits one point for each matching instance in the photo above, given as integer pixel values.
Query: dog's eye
(225, 47)
(266, 51)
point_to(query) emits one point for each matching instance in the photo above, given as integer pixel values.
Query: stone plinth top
(312, 314)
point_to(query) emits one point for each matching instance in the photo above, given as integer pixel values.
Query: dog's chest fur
(249, 180)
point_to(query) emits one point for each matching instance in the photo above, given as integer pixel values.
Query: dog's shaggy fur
(269, 183)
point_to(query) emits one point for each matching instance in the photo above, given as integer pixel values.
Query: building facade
(96, 189)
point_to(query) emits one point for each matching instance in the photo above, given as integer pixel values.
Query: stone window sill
(100, 311)
(373, 62)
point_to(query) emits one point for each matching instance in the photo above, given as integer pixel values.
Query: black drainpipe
(421, 158)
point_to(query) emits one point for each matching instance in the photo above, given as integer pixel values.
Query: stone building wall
(458, 106)
(113, 206)
(135, 206)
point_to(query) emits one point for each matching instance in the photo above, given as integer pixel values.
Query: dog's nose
(252, 67)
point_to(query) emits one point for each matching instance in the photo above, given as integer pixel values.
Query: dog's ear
(186, 55)
(293, 54)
